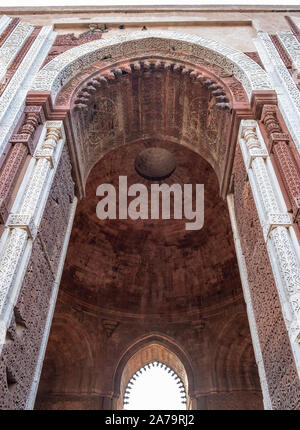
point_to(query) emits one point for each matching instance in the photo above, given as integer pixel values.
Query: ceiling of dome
(144, 267)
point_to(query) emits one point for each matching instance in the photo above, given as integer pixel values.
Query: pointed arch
(154, 347)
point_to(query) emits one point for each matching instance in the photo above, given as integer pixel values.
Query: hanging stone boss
(153, 164)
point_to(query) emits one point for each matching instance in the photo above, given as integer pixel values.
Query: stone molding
(11, 70)
(23, 221)
(64, 67)
(277, 228)
(33, 117)
(294, 27)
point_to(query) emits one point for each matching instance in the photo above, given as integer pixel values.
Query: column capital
(33, 117)
(253, 144)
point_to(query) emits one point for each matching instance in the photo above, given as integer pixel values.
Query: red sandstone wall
(220, 349)
(284, 385)
(27, 326)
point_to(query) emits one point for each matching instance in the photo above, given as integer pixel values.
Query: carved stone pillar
(22, 144)
(280, 238)
(286, 88)
(23, 222)
(279, 143)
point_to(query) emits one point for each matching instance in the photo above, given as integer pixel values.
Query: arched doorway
(124, 279)
(124, 94)
(155, 386)
(115, 107)
(150, 352)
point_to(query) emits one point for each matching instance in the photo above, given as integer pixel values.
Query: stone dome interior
(151, 266)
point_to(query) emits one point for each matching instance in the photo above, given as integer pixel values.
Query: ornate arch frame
(256, 126)
(61, 69)
(151, 340)
(57, 83)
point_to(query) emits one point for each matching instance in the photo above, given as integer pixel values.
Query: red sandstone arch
(108, 281)
(155, 347)
(229, 102)
(95, 85)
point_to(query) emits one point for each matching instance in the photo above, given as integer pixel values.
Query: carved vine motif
(211, 128)
(196, 117)
(11, 46)
(275, 225)
(65, 95)
(291, 46)
(72, 40)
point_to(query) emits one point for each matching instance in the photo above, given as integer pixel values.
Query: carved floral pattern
(61, 69)
(275, 224)
(23, 225)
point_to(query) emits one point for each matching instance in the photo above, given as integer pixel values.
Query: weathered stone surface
(274, 340)
(24, 336)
